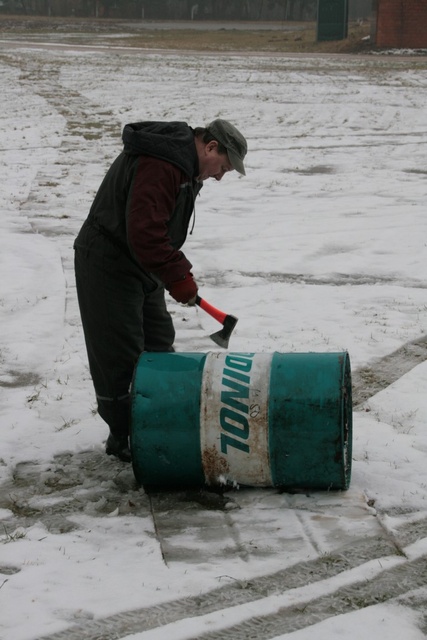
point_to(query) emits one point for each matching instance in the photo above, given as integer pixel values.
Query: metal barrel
(252, 419)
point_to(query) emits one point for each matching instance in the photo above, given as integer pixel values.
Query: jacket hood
(169, 141)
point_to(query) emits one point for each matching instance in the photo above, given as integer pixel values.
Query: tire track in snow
(346, 593)
(88, 126)
(336, 279)
(389, 585)
(62, 190)
(381, 373)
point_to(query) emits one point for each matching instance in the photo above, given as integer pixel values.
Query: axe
(228, 322)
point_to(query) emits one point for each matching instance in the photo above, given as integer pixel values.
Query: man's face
(213, 164)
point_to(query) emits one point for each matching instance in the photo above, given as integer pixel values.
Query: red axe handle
(219, 315)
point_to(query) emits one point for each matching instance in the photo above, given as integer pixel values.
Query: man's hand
(184, 290)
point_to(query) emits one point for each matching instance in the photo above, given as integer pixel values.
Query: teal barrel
(252, 419)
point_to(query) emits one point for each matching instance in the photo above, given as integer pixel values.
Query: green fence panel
(332, 20)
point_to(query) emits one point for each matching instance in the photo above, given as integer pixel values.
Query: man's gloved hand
(184, 290)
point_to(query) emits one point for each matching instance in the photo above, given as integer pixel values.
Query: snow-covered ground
(321, 247)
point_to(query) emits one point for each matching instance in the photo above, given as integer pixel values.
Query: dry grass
(303, 41)
(130, 34)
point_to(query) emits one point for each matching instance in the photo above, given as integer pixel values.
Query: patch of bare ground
(285, 37)
(301, 41)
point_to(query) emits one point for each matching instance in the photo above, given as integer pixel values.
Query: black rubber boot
(118, 447)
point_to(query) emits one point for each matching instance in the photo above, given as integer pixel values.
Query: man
(128, 252)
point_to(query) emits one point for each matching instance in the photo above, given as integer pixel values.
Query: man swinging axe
(128, 252)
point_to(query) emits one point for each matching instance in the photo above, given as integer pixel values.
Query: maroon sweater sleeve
(151, 202)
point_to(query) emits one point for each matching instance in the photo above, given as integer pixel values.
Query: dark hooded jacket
(146, 200)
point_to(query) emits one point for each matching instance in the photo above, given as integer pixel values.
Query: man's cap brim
(236, 162)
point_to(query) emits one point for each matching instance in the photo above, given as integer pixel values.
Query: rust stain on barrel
(214, 465)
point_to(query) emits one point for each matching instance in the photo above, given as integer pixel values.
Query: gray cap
(236, 145)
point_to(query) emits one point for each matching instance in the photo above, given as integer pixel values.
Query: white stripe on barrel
(234, 418)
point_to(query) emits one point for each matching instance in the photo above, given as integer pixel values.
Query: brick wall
(401, 24)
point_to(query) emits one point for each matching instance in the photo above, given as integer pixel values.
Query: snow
(321, 247)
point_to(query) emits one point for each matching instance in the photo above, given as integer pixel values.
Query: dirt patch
(289, 37)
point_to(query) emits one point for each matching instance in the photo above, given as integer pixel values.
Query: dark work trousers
(123, 312)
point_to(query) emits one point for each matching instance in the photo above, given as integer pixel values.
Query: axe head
(222, 337)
